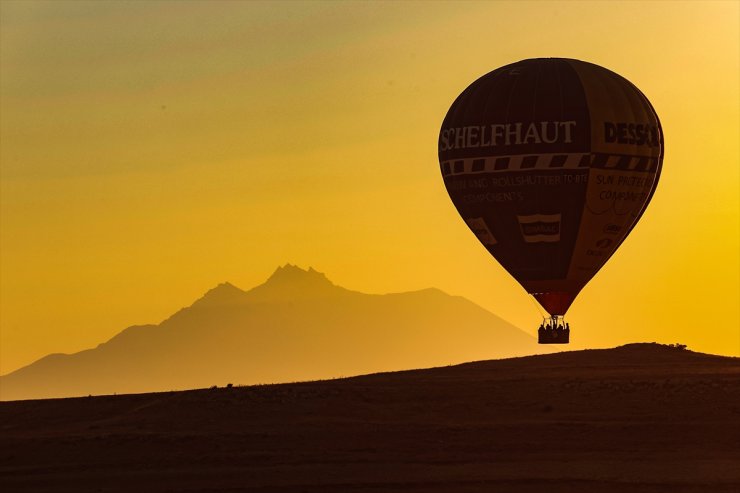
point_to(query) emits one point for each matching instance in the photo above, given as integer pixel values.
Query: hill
(298, 325)
(638, 418)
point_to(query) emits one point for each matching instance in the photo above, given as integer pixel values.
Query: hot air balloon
(551, 162)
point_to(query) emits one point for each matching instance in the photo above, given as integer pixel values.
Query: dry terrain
(639, 418)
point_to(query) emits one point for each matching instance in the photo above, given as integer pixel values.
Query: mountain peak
(290, 282)
(290, 273)
(224, 287)
(224, 293)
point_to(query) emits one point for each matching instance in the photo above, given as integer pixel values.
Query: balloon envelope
(551, 162)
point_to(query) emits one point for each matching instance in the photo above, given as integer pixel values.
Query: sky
(151, 150)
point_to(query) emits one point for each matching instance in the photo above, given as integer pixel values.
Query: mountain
(298, 325)
(638, 418)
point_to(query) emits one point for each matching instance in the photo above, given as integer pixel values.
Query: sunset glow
(152, 150)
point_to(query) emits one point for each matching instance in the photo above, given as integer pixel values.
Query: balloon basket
(554, 331)
(563, 338)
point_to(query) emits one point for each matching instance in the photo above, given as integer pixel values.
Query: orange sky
(152, 150)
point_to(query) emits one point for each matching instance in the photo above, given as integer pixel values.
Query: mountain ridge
(296, 325)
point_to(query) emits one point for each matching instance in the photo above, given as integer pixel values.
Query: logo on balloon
(604, 242)
(478, 226)
(540, 227)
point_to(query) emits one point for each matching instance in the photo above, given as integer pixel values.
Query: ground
(639, 418)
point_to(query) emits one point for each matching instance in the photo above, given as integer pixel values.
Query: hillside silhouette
(297, 325)
(638, 418)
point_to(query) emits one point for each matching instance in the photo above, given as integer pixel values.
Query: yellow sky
(152, 150)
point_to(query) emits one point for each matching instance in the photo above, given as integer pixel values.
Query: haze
(152, 150)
